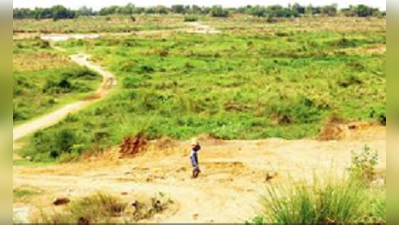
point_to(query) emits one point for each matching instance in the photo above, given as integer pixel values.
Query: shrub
(350, 80)
(49, 146)
(219, 11)
(346, 43)
(363, 165)
(80, 72)
(379, 113)
(106, 208)
(58, 86)
(296, 111)
(190, 18)
(131, 82)
(100, 208)
(327, 201)
(42, 44)
(18, 114)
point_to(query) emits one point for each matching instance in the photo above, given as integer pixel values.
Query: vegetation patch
(105, 208)
(24, 194)
(328, 200)
(233, 85)
(44, 80)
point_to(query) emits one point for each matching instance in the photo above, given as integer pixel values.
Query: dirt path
(200, 28)
(227, 191)
(53, 118)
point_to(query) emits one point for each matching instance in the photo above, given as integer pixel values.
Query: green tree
(330, 10)
(258, 11)
(179, 9)
(298, 9)
(85, 11)
(219, 11)
(364, 11)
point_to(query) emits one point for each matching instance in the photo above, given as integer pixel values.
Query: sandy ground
(228, 189)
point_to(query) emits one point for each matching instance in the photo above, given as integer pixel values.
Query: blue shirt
(194, 157)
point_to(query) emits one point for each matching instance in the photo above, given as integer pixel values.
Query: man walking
(195, 148)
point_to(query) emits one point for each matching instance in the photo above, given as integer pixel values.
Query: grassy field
(44, 79)
(104, 24)
(273, 80)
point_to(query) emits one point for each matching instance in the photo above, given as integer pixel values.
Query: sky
(97, 4)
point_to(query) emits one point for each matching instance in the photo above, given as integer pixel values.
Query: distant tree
(127, 10)
(309, 10)
(258, 11)
(279, 11)
(330, 10)
(22, 13)
(138, 10)
(298, 9)
(348, 12)
(161, 10)
(179, 9)
(364, 11)
(195, 9)
(219, 11)
(60, 12)
(150, 10)
(110, 10)
(85, 11)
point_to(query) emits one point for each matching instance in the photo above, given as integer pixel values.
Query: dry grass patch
(105, 208)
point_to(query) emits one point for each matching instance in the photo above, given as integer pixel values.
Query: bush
(297, 111)
(105, 208)
(328, 201)
(380, 113)
(100, 208)
(58, 86)
(18, 114)
(190, 18)
(48, 146)
(350, 80)
(363, 165)
(219, 11)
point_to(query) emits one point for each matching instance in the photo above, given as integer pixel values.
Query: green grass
(44, 80)
(24, 194)
(331, 199)
(235, 85)
(325, 201)
(104, 208)
(101, 24)
(27, 163)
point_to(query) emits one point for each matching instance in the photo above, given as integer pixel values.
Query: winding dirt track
(53, 118)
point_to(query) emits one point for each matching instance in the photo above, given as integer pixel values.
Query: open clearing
(223, 79)
(234, 172)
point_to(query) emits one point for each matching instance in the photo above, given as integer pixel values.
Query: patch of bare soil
(377, 49)
(233, 176)
(132, 146)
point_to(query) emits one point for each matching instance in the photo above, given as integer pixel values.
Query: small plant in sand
(363, 164)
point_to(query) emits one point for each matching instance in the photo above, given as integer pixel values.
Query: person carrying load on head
(195, 148)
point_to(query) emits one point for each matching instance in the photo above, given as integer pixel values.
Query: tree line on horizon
(293, 10)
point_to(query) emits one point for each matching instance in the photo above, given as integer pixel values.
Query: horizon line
(205, 5)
